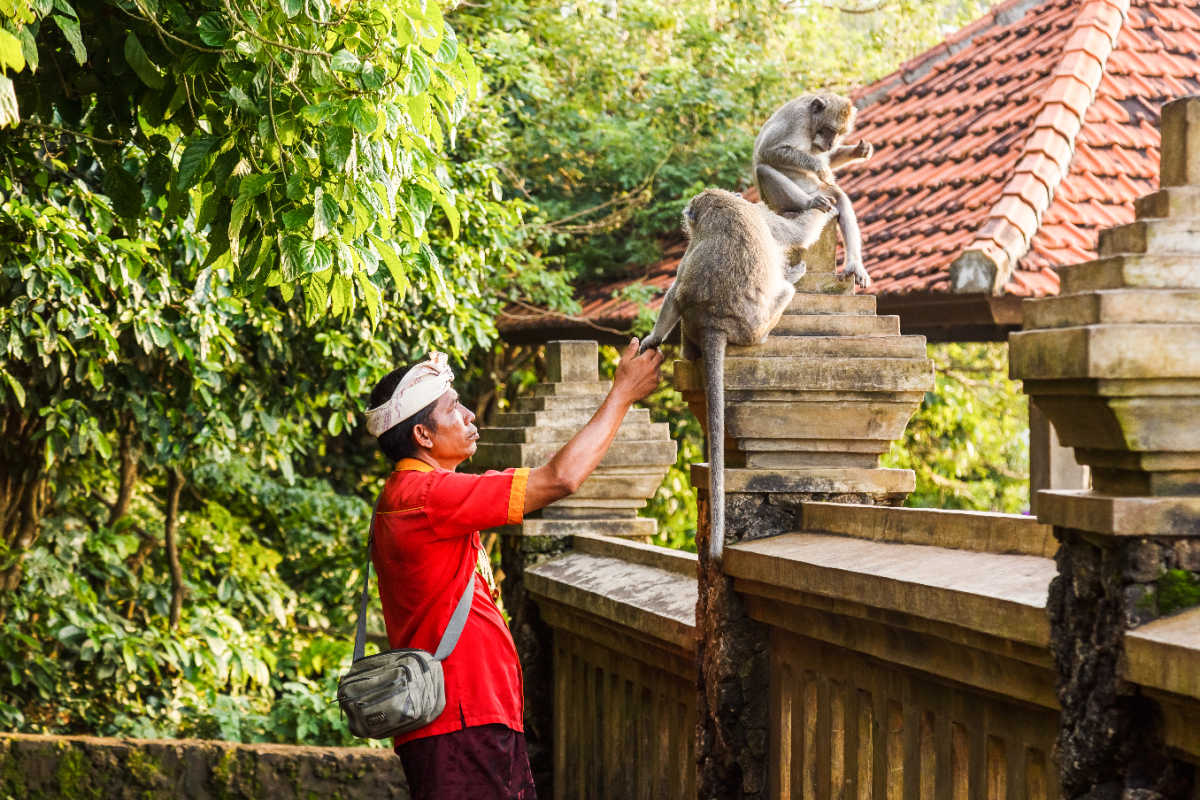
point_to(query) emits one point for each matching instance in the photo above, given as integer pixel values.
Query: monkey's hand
(864, 150)
(858, 271)
(821, 202)
(651, 342)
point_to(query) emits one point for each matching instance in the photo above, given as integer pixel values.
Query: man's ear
(422, 436)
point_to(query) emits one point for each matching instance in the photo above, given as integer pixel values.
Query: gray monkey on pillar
(795, 155)
(732, 286)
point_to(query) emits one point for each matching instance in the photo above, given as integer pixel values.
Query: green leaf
(243, 101)
(10, 114)
(448, 49)
(292, 7)
(193, 164)
(314, 256)
(325, 213)
(296, 218)
(418, 78)
(17, 389)
(254, 185)
(12, 57)
(28, 48)
(345, 61)
(363, 117)
(136, 57)
(70, 29)
(338, 141)
(212, 29)
(236, 218)
(394, 264)
(158, 172)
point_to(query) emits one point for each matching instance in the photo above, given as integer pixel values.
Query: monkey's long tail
(714, 385)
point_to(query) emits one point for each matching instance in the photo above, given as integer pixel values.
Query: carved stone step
(805, 303)
(1113, 306)
(1155, 271)
(835, 346)
(813, 374)
(1106, 351)
(837, 325)
(561, 417)
(571, 389)
(1173, 201)
(879, 421)
(834, 480)
(588, 401)
(1152, 236)
(561, 434)
(632, 453)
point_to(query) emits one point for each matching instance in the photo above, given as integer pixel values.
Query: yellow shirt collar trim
(414, 464)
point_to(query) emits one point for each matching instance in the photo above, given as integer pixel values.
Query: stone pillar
(607, 503)
(1051, 466)
(807, 415)
(1114, 362)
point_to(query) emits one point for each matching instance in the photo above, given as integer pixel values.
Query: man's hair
(397, 442)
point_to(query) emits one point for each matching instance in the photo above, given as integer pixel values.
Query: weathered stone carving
(808, 414)
(1114, 361)
(538, 426)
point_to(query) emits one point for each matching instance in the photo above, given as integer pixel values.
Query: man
(427, 547)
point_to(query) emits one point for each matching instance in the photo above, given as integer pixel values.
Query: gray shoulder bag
(397, 691)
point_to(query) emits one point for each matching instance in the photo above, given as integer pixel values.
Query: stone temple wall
(82, 767)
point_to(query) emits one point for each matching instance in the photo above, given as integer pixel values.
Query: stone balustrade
(1114, 361)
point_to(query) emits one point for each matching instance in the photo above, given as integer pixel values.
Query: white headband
(419, 387)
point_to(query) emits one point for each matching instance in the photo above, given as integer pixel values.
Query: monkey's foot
(859, 272)
(795, 272)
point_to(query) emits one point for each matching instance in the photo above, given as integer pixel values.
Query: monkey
(795, 233)
(732, 286)
(795, 155)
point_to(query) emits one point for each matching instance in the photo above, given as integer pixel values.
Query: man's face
(454, 440)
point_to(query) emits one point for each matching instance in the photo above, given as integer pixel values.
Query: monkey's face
(832, 121)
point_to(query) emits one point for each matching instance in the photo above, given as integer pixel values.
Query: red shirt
(426, 547)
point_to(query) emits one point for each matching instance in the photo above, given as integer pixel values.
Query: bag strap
(454, 628)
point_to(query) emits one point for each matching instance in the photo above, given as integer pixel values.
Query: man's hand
(638, 374)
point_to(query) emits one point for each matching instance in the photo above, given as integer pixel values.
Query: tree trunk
(128, 477)
(24, 518)
(174, 488)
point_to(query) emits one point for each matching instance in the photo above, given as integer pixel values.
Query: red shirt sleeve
(459, 504)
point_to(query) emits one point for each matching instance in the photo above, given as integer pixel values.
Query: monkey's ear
(817, 105)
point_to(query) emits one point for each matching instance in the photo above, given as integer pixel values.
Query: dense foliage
(221, 221)
(969, 440)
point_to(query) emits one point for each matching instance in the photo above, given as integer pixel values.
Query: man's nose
(468, 415)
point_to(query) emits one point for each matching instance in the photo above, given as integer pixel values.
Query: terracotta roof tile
(1043, 130)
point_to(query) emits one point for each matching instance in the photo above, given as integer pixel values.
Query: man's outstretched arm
(636, 376)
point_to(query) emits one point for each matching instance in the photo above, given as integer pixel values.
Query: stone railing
(852, 649)
(75, 767)
(624, 668)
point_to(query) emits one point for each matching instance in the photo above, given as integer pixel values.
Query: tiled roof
(1014, 141)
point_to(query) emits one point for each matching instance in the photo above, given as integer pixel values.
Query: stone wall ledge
(73, 767)
(817, 480)
(978, 531)
(998, 595)
(1165, 654)
(1120, 516)
(563, 527)
(619, 582)
(1164, 658)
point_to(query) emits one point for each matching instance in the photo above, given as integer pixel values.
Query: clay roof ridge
(917, 67)
(987, 263)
